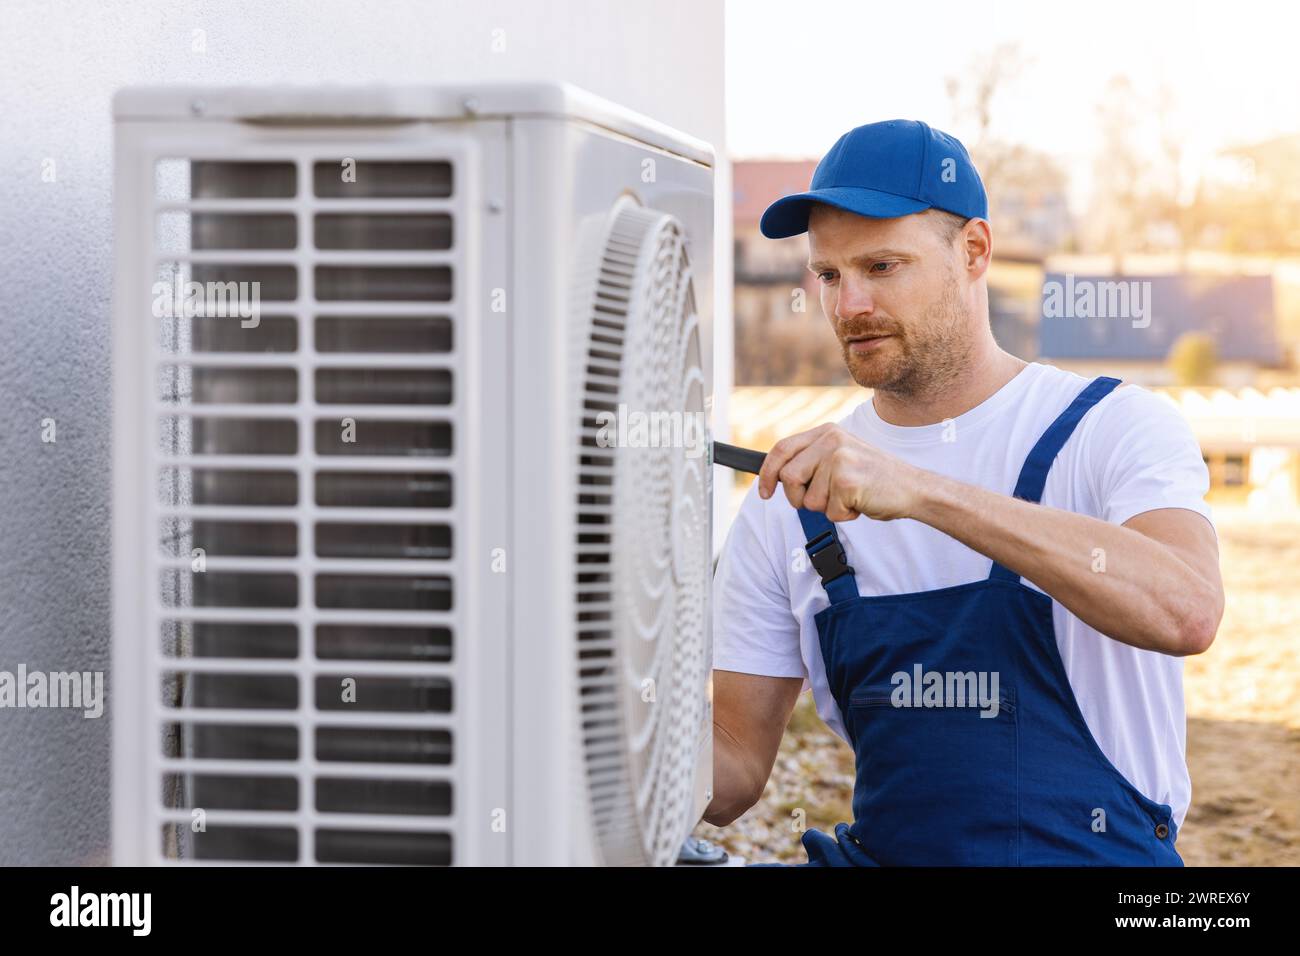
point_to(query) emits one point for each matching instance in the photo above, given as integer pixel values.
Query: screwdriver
(738, 459)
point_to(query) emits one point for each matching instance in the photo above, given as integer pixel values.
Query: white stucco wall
(60, 63)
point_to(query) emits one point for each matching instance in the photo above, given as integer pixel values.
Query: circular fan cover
(643, 540)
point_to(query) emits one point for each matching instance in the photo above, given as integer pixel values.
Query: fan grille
(642, 541)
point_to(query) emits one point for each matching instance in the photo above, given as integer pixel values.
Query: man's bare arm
(1153, 582)
(749, 717)
(1160, 589)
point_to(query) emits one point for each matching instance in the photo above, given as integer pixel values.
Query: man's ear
(977, 247)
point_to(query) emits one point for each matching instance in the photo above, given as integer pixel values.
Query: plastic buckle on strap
(828, 557)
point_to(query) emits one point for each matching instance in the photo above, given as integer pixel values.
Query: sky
(801, 73)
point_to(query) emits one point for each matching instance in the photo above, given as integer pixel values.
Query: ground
(1243, 726)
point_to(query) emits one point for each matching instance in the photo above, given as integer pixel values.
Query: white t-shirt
(1132, 452)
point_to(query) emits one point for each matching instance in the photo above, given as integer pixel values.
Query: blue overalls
(944, 784)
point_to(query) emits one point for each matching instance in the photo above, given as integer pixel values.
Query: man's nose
(855, 299)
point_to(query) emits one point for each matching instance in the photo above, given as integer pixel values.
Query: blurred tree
(1256, 209)
(1169, 202)
(972, 92)
(1192, 360)
(1117, 200)
(1026, 188)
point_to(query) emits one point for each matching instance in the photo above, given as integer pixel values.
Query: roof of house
(1237, 312)
(756, 184)
(760, 415)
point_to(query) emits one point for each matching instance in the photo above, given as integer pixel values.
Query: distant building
(782, 337)
(1028, 207)
(1014, 287)
(756, 185)
(1126, 325)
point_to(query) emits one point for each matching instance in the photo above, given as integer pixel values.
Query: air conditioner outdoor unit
(384, 591)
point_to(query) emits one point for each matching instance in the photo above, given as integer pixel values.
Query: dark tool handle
(739, 459)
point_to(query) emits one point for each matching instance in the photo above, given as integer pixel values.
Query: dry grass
(1243, 728)
(1243, 704)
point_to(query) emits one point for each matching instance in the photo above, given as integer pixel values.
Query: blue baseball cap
(885, 170)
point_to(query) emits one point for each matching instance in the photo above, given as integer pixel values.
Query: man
(987, 574)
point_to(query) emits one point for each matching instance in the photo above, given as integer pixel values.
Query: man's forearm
(733, 780)
(1117, 580)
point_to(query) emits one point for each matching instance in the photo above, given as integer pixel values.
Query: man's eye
(881, 267)
(826, 276)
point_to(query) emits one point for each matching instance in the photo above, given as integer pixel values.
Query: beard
(921, 357)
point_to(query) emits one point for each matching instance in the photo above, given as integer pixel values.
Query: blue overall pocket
(936, 785)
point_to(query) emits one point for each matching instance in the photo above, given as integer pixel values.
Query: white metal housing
(380, 593)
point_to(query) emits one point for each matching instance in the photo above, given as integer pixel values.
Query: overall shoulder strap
(1033, 475)
(827, 556)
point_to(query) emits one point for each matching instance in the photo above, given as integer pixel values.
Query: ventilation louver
(307, 512)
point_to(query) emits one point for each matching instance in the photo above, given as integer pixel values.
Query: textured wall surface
(59, 66)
